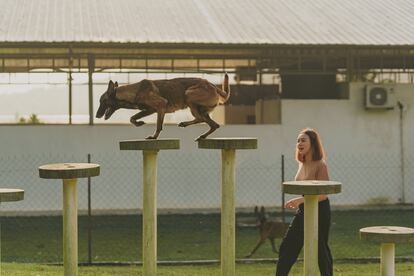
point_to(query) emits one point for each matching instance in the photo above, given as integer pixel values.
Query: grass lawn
(180, 237)
(13, 269)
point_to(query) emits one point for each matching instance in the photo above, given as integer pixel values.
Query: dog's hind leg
(200, 115)
(213, 125)
(134, 119)
(259, 243)
(194, 109)
(272, 241)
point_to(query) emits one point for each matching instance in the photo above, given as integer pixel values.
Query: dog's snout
(101, 110)
(99, 114)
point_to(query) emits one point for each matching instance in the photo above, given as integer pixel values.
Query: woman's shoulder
(322, 170)
(321, 165)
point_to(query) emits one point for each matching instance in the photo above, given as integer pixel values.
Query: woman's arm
(294, 202)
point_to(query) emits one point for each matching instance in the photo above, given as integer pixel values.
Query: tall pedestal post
(69, 173)
(311, 235)
(70, 227)
(387, 259)
(149, 213)
(228, 217)
(228, 148)
(387, 236)
(311, 189)
(150, 150)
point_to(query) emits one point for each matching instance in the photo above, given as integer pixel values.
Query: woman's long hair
(316, 146)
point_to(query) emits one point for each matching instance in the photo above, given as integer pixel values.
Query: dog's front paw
(182, 124)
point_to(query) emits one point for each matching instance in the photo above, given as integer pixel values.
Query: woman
(312, 166)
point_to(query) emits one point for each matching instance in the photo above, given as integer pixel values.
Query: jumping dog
(166, 96)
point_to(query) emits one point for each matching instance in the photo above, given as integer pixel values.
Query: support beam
(91, 69)
(70, 95)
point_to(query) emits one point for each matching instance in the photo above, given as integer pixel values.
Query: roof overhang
(58, 56)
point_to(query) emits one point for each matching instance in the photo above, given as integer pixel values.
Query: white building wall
(363, 152)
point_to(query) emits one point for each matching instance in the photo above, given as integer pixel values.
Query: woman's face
(303, 144)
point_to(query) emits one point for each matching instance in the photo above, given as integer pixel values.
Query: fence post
(401, 108)
(89, 217)
(281, 188)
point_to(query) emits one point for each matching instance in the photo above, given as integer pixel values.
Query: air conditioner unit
(380, 96)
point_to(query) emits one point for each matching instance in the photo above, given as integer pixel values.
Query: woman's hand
(294, 203)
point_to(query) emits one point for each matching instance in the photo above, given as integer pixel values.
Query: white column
(70, 227)
(149, 214)
(228, 232)
(387, 259)
(311, 235)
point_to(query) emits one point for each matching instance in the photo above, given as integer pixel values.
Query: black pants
(293, 242)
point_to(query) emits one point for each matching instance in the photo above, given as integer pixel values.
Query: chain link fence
(374, 193)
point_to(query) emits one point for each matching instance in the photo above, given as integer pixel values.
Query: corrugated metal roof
(357, 22)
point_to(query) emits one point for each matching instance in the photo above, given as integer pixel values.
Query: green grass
(13, 269)
(180, 237)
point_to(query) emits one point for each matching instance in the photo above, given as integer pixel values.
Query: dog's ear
(111, 85)
(116, 84)
(262, 211)
(111, 88)
(256, 210)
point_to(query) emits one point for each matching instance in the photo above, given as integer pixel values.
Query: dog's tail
(224, 92)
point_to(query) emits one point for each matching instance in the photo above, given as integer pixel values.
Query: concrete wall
(363, 149)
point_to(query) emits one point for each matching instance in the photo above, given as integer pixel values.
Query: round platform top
(387, 234)
(228, 143)
(148, 144)
(68, 170)
(11, 194)
(312, 187)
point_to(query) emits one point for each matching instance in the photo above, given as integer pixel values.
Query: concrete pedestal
(228, 148)
(387, 236)
(69, 173)
(311, 190)
(150, 150)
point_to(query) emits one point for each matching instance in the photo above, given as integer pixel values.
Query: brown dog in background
(166, 96)
(268, 230)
